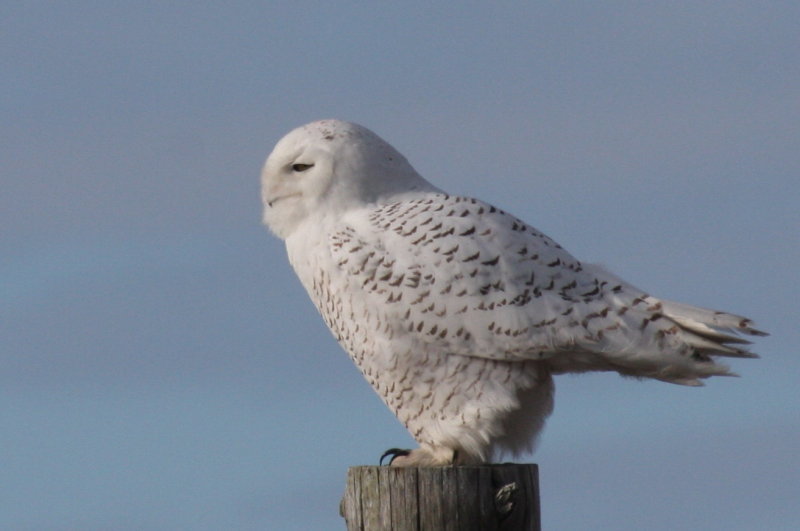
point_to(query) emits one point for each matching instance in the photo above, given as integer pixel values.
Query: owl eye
(301, 167)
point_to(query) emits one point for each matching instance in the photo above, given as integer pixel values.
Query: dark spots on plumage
(617, 288)
(433, 330)
(409, 233)
(469, 231)
(568, 311)
(420, 326)
(426, 222)
(492, 262)
(394, 297)
(518, 226)
(422, 296)
(593, 315)
(595, 291)
(491, 326)
(571, 285)
(420, 239)
(451, 250)
(464, 214)
(413, 279)
(397, 281)
(647, 320)
(637, 300)
(523, 251)
(522, 299)
(492, 210)
(622, 310)
(448, 232)
(481, 210)
(472, 257)
(365, 261)
(555, 263)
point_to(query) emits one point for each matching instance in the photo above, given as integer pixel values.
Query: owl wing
(463, 277)
(470, 279)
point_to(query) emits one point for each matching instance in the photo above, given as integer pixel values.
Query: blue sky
(161, 367)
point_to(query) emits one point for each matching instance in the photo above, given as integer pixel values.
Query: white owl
(456, 312)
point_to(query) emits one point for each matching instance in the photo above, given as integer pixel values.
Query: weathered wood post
(459, 498)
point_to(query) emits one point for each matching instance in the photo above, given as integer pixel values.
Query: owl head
(326, 168)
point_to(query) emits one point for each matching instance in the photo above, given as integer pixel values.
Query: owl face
(297, 174)
(328, 167)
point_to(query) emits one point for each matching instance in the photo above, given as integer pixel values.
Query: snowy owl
(456, 312)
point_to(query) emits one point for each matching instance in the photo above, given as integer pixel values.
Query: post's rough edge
(452, 497)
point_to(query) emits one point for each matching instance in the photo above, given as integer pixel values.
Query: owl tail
(709, 333)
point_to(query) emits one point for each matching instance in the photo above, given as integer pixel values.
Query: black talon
(395, 453)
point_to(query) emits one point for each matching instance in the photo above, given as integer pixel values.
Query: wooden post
(458, 498)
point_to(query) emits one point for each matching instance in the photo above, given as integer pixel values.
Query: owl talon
(394, 453)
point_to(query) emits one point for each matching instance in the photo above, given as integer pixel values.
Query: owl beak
(274, 199)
